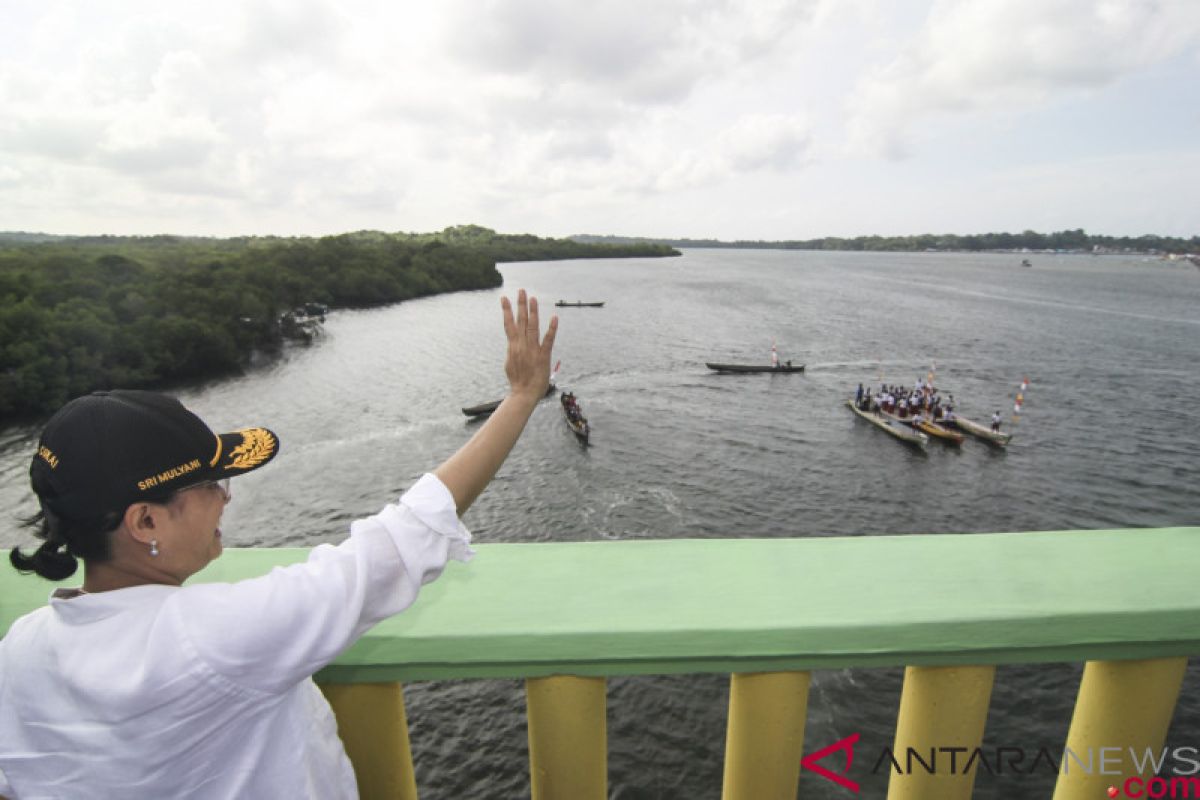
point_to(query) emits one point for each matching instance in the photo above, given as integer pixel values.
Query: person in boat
(572, 406)
(996, 422)
(859, 396)
(774, 358)
(134, 684)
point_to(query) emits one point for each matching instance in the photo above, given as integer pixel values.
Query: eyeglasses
(224, 485)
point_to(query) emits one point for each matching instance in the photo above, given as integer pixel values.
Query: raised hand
(527, 363)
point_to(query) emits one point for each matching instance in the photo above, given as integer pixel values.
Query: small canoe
(940, 432)
(932, 428)
(753, 367)
(565, 304)
(484, 409)
(902, 432)
(577, 422)
(983, 432)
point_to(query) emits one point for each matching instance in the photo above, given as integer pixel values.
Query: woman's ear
(141, 521)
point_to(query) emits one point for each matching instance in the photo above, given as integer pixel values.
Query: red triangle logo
(809, 762)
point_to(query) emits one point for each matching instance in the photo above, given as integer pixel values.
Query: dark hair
(65, 541)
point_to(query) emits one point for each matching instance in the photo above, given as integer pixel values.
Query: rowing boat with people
(573, 414)
(565, 304)
(983, 432)
(934, 429)
(902, 432)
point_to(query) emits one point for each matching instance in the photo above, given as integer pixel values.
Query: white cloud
(766, 141)
(552, 116)
(1012, 55)
(635, 52)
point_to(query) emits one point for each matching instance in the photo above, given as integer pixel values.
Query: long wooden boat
(753, 367)
(565, 304)
(983, 432)
(579, 426)
(484, 409)
(935, 430)
(902, 432)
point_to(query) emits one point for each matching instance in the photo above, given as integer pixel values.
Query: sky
(759, 119)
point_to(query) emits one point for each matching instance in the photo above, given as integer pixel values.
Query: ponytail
(65, 541)
(51, 561)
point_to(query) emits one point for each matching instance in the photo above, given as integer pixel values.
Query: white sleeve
(271, 632)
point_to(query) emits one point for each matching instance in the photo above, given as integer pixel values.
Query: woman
(134, 686)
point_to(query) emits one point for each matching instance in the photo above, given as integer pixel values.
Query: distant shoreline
(1060, 242)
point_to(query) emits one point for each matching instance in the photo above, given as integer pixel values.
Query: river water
(1107, 439)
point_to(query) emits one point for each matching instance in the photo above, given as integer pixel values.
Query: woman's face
(192, 538)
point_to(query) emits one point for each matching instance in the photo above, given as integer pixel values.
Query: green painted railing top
(721, 605)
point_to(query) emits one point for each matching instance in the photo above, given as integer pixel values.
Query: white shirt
(205, 691)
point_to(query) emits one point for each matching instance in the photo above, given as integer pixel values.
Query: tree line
(79, 314)
(1068, 240)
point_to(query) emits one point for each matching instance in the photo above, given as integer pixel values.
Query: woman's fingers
(548, 339)
(510, 326)
(535, 330)
(523, 331)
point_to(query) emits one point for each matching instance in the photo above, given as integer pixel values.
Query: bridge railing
(949, 608)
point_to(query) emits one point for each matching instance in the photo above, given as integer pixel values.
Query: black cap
(106, 450)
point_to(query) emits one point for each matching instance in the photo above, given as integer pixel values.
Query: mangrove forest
(79, 313)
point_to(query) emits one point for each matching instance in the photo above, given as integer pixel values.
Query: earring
(154, 547)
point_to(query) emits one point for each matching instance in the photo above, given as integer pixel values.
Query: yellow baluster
(374, 730)
(764, 740)
(1122, 705)
(940, 707)
(568, 740)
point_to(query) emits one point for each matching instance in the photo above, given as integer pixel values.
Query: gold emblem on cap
(256, 447)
